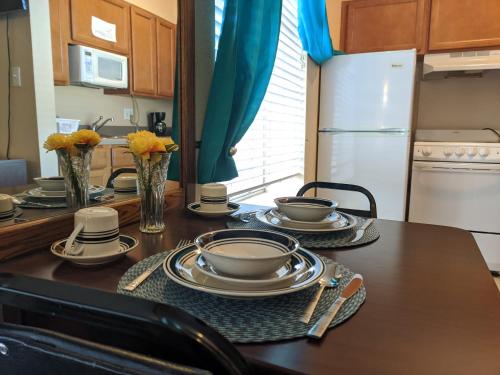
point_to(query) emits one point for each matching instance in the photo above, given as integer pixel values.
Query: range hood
(460, 64)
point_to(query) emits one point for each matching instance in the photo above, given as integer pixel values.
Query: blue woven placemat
(242, 320)
(332, 240)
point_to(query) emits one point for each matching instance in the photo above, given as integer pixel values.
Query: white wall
(460, 103)
(44, 83)
(85, 104)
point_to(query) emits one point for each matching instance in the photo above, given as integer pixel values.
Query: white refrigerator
(365, 121)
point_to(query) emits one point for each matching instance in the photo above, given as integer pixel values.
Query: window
(272, 150)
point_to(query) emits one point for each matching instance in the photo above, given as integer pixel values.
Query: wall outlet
(128, 113)
(15, 76)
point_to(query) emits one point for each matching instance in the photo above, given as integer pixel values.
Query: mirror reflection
(112, 73)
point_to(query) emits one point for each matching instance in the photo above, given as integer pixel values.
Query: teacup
(96, 232)
(6, 204)
(213, 197)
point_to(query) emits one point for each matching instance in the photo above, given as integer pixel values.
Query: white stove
(457, 184)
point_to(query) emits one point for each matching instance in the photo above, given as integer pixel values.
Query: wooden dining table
(432, 306)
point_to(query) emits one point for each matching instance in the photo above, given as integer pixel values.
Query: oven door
(110, 70)
(463, 195)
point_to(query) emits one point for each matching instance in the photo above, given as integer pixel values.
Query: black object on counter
(157, 125)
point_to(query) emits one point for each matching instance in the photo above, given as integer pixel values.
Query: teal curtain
(173, 173)
(313, 30)
(243, 67)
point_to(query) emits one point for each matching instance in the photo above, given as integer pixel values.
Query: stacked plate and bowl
(306, 215)
(52, 190)
(244, 263)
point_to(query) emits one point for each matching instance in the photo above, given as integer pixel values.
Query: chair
(55, 328)
(347, 187)
(116, 173)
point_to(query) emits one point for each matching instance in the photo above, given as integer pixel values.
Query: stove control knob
(427, 151)
(483, 152)
(448, 151)
(459, 151)
(471, 151)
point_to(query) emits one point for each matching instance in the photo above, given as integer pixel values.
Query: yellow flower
(140, 134)
(145, 143)
(56, 141)
(85, 136)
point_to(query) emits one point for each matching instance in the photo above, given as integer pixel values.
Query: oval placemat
(243, 320)
(316, 241)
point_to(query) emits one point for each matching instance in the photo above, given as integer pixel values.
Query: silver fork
(143, 276)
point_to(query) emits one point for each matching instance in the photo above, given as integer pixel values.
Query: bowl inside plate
(305, 208)
(246, 252)
(50, 183)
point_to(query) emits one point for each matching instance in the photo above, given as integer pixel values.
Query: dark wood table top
(432, 306)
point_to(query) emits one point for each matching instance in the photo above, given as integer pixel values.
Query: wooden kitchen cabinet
(116, 13)
(121, 158)
(59, 29)
(100, 167)
(144, 54)
(384, 25)
(464, 24)
(165, 38)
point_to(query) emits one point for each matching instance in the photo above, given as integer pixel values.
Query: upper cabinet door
(165, 32)
(384, 25)
(464, 24)
(144, 71)
(59, 30)
(102, 24)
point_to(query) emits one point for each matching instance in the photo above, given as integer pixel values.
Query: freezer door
(375, 160)
(368, 91)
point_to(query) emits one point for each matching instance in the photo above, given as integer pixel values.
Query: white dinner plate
(267, 217)
(46, 194)
(179, 266)
(285, 274)
(334, 219)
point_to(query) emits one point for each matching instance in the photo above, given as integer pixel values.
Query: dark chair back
(118, 321)
(347, 187)
(116, 173)
(27, 350)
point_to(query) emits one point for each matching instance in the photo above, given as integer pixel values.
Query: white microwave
(96, 68)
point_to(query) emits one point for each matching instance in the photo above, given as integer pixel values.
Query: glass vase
(151, 178)
(75, 167)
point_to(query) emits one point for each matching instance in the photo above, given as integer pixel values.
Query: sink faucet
(96, 126)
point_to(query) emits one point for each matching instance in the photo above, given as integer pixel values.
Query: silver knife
(319, 328)
(362, 230)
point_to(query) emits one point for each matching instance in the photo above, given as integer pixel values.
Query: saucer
(285, 275)
(127, 244)
(12, 214)
(231, 209)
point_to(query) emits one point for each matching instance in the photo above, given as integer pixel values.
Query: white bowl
(50, 183)
(246, 252)
(305, 208)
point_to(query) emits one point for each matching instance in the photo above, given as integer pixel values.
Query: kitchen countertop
(432, 306)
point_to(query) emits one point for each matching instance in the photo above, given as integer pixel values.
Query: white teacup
(213, 197)
(96, 232)
(6, 203)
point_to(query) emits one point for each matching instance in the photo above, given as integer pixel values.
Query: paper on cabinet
(103, 30)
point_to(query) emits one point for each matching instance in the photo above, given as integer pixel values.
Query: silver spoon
(328, 280)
